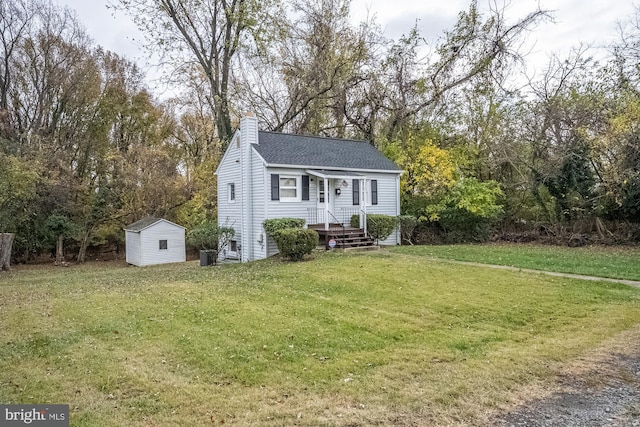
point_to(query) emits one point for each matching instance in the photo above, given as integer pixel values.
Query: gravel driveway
(602, 389)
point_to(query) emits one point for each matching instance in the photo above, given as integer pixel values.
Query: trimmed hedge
(379, 226)
(271, 226)
(295, 243)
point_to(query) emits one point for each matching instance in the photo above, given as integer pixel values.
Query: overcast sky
(576, 21)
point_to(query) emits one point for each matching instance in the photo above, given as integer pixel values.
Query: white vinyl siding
(229, 212)
(144, 247)
(260, 190)
(231, 190)
(132, 248)
(151, 252)
(343, 202)
(388, 199)
(280, 209)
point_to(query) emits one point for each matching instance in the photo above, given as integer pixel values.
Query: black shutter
(275, 186)
(356, 191)
(305, 187)
(374, 191)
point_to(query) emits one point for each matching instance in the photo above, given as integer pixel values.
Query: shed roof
(146, 222)
(320, 152)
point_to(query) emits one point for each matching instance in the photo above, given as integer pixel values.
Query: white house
(324, 181)
(154, 241)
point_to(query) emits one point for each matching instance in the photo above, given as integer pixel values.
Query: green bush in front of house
(406, 225)
(379, 226)
(209, 235)
(272, 225)
(295, 243)
(355, 221)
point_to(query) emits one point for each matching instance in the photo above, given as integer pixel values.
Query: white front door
(326, 193)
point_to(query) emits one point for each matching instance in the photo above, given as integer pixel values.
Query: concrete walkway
(634, 283)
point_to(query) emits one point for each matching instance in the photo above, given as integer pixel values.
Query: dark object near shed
(208, 257)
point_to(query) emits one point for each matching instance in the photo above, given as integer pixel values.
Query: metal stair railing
(342, 242)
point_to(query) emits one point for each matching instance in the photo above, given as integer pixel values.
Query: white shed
(154, 241)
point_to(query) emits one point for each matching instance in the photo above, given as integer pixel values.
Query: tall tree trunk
(60, 250)
(84, 243)
(6, 242)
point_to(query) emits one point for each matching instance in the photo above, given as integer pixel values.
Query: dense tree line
(86, 148)
(83, 145)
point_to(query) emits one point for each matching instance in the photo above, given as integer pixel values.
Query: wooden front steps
(347, 238)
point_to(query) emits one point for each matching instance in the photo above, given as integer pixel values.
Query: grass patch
(344, 339)
(599, 261)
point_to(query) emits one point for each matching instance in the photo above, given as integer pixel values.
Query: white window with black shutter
(289, 188)
(371, 198)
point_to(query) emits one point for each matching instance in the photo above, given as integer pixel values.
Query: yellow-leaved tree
(435, 192)
(428, 172)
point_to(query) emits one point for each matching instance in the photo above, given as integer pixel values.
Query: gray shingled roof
(147, 222)
(142, 224)
(319, 152)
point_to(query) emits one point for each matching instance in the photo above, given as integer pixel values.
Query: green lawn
(347, 339)
(612, 262)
